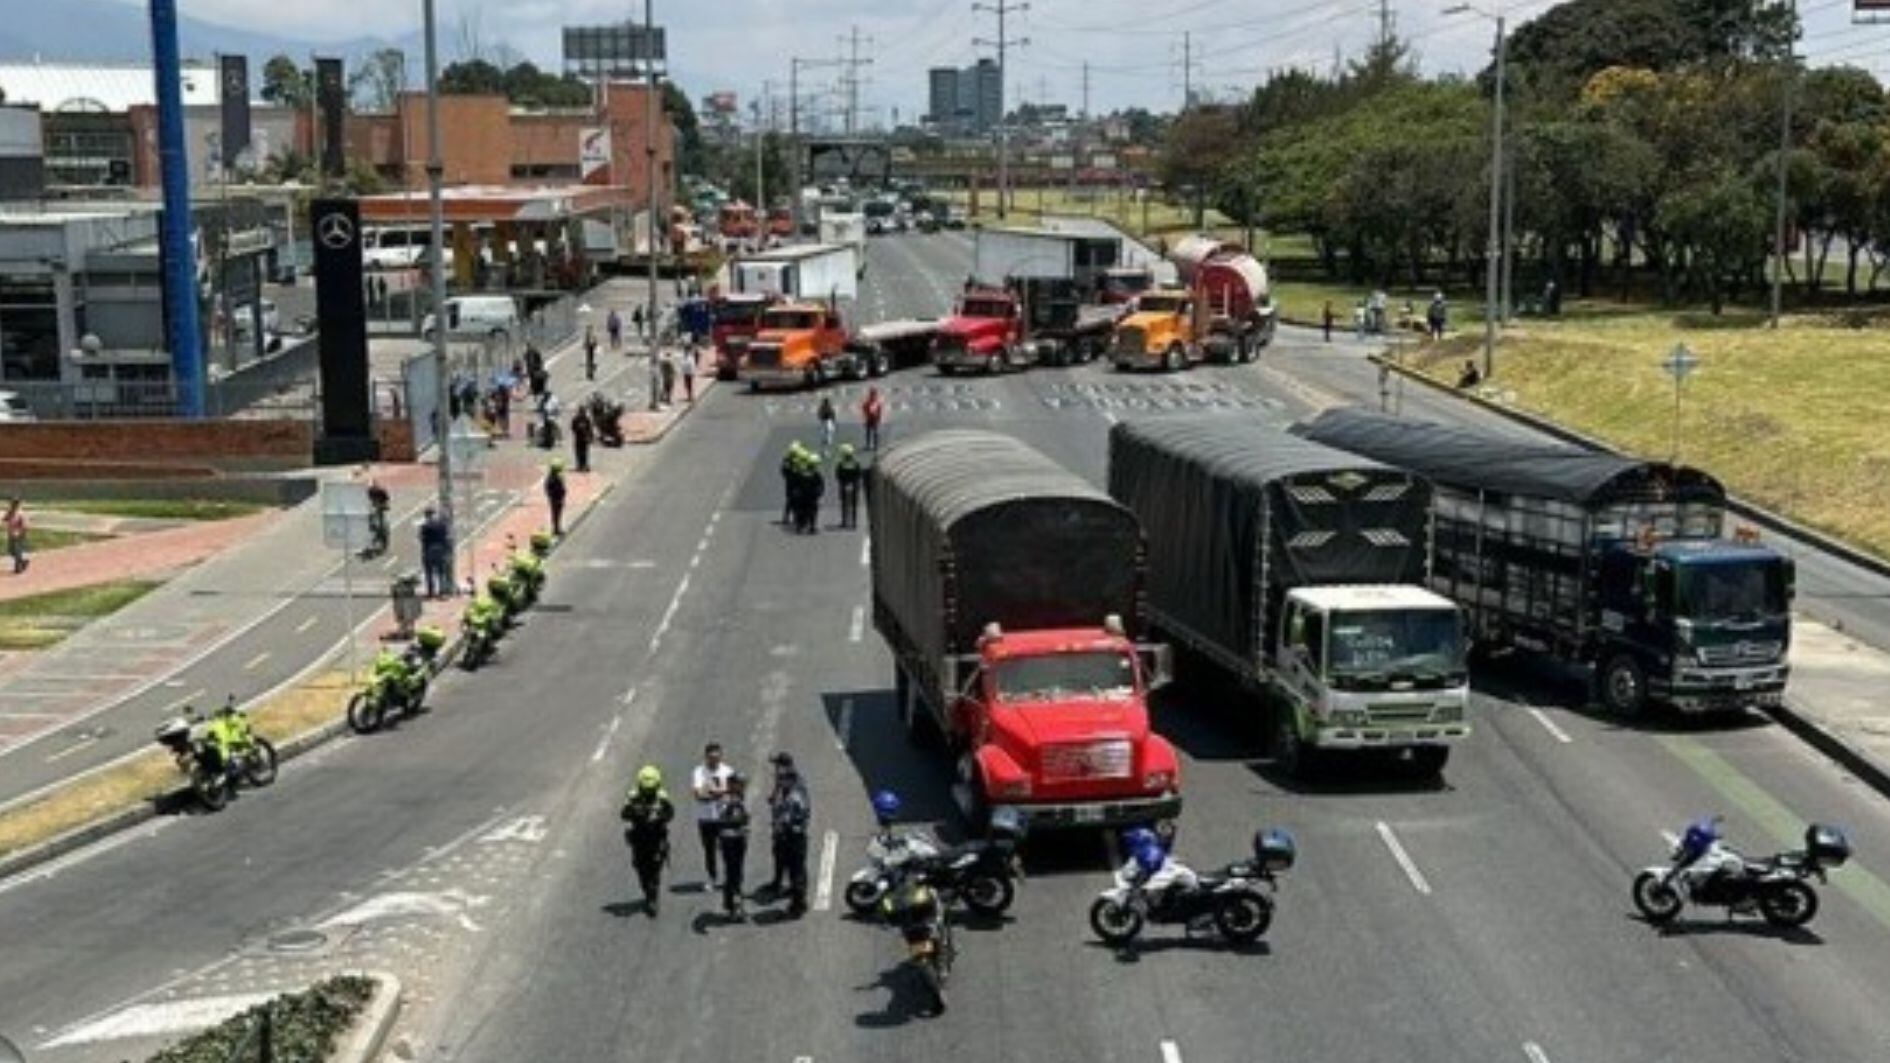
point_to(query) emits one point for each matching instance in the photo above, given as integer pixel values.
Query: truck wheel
(1174, 358)
(1248, 350)
(976, 806)
(1624, 686)
(1428, 761)
(1290, 754)
(994, 364)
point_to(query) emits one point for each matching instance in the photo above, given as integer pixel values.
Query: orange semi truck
(1009, 590)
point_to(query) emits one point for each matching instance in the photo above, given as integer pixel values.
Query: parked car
(13, 408)
(477, 316)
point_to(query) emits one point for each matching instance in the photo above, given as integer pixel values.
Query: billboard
(594, 155)
(623, 49)
(340, 305)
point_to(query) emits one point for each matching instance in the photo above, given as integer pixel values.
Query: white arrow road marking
(452, 904)
(829, 850)
(529, 829)
(1534, 1052)
(1404, 859)
(857, 626)
(603, 744)
(1170, 1053)
(157, 1020)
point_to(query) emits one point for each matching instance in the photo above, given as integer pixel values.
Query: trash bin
(405, 592)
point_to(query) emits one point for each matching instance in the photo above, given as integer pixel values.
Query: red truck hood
(973, 327)
(1042, 723)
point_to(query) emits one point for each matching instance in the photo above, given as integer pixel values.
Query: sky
(1134, 48)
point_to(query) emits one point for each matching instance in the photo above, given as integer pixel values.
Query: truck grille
(1741, 653)
(1110, 759)
(1383, 715)
(1130, 340)
(948, 344)
(764, 357)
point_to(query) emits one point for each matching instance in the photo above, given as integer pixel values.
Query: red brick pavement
(147, 556)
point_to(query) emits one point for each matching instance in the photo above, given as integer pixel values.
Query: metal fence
(281, 385)
(552, 323)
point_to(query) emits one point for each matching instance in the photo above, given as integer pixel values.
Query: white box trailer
(1000, 255)
(801, 271)
(845, 230)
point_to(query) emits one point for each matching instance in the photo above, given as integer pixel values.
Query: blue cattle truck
(1602, 560)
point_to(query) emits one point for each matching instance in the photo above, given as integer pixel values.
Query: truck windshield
(791, 319)
(986, 308)
(1093, 675)
(738, 313)
(1731, 590)
(1161, 304)
(1383, 645)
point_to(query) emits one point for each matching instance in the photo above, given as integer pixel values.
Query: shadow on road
(1146, 946)
(1791, 935)
(905, 1000)
(1533, 680)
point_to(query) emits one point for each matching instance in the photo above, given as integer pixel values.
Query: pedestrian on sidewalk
(636, 319)
(708, 783)
(848, 473)
(829, 420)
(669, 377)
(1326, 320)
(582, 432)
(16, 535)
(648, 811)
(731, 825)
(1437, 316)
(614, 326)
(790, 810)
(871, 410)
(436, 550)
(554, 494)
(590, 352)
(690, 356)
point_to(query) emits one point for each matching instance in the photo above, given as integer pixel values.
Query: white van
(477, 317)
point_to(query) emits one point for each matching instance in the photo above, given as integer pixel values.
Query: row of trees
(1643, 143)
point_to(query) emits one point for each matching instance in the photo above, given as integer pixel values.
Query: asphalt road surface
(475, 851)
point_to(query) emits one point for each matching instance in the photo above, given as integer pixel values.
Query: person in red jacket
(871, 409)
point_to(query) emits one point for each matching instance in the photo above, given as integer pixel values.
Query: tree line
(1643, 151)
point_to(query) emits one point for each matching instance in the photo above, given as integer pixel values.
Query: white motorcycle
(1705, 871)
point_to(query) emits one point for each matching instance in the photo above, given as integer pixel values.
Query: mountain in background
(109, 31)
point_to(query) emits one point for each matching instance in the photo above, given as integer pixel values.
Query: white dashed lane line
(1404, 859)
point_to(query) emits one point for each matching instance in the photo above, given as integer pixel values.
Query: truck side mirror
(1158, 664)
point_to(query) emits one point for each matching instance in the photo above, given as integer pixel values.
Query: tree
(690, 157)
(472, 77)
(377, 83)
(1200, 146)
(1723, 226)
(286, 84)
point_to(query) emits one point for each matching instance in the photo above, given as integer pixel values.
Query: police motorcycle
(982, 873)
(917, 909)
(398, 683)
(481, 626)
(214, 776)
(1703, 870)
(1151, 886)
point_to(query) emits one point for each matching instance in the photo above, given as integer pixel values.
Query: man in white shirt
(710, 782)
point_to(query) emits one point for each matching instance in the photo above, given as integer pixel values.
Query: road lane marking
(829, 850)
(1534, 1052)
(845, 728)
(1549, 725)
(1404, 859)
(184, 702)
(155, 1020)
(866, 550)
(629, 697)
(71, 749)
(603, 744)
(388, 565)
(702, 543)
(48, 870)
(669, 614)
(1170, 1053)
(306, 624)
(256, 661)
(857, 626)
(1672, 839)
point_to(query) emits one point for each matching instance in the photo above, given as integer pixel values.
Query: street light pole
(649, 175)
(436, 173)
(1784, 149)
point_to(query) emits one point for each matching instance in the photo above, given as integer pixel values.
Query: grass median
(40, 620)
(305, 707)
(1791, 419)
(154, 508)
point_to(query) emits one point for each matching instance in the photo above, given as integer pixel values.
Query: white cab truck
(1297, 570)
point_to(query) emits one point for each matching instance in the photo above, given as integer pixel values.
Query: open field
(1791, 419)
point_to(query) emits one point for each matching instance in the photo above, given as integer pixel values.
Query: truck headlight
(1158, 780)
(1349, 717)
(1448, 712)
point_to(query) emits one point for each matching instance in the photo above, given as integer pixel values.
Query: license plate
(1742, 682)
(1089, 814)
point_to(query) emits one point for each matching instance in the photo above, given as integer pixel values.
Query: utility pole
(1509, 235)
(1187, 70)
(851, 79)
(1784, 148)
(1002, 9)
(1086, 91)
(649, 174)
(436, 176)
(795, 63)
(1496, 195)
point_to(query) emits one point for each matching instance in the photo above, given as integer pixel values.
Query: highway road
(475, 852)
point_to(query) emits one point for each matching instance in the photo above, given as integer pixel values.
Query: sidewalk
(269, 606)
(147, 555)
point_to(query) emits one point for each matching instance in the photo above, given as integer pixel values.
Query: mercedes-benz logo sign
(335, 231)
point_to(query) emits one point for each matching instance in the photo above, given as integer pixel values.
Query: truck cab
(1158, 333)
(795, 344)
(1054, 725)
(735, 319)
(1699, 624)
(983, 332)
(1123, 284)
(1363, 667)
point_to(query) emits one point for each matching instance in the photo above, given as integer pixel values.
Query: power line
(850, 78)
(1003, 9)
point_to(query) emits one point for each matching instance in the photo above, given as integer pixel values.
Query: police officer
(848, 473)
(731, 821)
(790, 809)
(648, 811)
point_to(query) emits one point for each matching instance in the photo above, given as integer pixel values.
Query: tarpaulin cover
(1236, 513)
(973, 527)
(1477, 460)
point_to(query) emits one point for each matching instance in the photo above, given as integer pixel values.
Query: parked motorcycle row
(220, 754)
(913, 883)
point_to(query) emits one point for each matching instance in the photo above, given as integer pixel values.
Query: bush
(303, 1027)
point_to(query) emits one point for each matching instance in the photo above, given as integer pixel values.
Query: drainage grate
(295, 941)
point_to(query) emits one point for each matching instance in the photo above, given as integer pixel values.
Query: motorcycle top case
(1275, 849)
(1827, 845)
